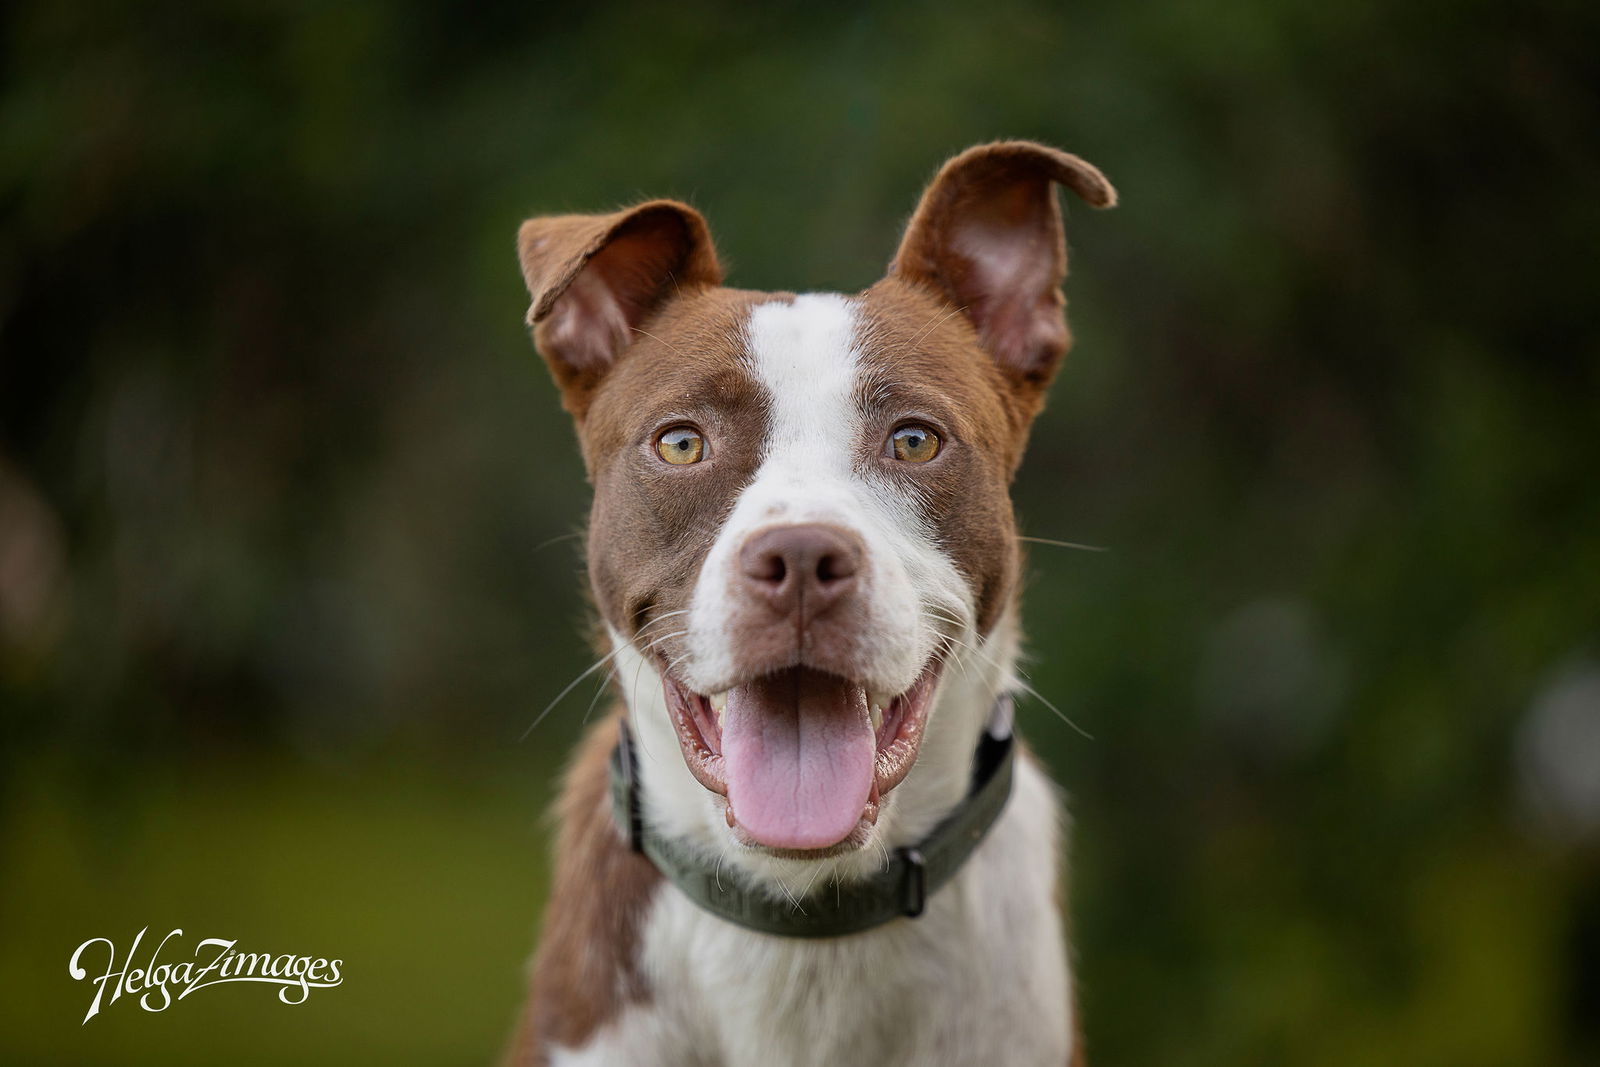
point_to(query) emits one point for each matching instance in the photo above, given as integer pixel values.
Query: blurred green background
(285, 495)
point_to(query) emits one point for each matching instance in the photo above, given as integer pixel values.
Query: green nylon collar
(900, 889)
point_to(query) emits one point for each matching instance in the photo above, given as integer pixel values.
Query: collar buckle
(914, 891)
(627, 767)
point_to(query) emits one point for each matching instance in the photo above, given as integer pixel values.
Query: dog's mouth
(802, 758)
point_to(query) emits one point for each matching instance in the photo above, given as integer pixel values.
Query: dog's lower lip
(898, 725)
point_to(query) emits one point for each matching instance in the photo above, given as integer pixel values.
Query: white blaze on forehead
(804, 354)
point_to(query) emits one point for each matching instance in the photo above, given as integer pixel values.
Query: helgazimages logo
(298, 975)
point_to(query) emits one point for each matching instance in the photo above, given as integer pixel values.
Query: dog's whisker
(806, 892)
(610, 677)
(945, 646)
(939, 616)
(659, 638)
(654, 643)
(1017, 679)
(949, 641)
(659, 340)
(959, 661)
(570, 687)
(659, 619)
(1047, 702)
(633, 702)
(784, 885)
(967, 646)
(589, 671)
(928, 330)
(957, 625)
(1062, 544)
(558, 538)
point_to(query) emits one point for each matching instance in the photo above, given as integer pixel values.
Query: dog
(806, 836)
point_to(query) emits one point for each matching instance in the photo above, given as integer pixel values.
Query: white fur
(981, 977)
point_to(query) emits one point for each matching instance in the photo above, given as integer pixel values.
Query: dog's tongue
(798, 754)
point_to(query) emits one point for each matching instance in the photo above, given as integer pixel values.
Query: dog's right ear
(595, 279)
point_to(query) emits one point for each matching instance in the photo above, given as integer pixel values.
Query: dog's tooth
(877, 717)
(719, 701)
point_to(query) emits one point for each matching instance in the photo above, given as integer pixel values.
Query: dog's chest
(980, 978)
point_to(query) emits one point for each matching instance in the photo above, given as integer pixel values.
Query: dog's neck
(675, 805)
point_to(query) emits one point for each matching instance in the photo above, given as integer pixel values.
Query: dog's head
(802, 543)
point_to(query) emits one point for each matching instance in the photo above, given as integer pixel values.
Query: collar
(900, 889)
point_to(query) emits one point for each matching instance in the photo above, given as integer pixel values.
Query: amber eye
(680, 445)
(915, 443)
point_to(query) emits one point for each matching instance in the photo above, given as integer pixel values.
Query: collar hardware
(625, 777)
(900, 890)
(916, 893)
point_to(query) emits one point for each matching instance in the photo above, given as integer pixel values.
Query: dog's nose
(801, 569)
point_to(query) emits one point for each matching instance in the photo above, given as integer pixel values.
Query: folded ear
(595, 279)
(987, 236)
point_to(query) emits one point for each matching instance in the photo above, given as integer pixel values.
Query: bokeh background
(287, 503)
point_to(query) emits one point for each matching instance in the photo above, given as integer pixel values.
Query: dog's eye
(680, 445)
(914, 443)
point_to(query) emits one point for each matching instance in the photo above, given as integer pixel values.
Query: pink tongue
(798, 751)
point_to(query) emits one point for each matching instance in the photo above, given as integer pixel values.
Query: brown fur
(586, 969)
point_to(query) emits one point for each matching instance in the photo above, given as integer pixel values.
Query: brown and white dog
(803, 551)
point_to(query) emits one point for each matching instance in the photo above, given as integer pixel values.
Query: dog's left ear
(987, 236)
(596, 279)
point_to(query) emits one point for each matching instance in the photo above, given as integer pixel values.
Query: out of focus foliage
(285, 497)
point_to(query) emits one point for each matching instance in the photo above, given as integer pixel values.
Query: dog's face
(801, 530)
